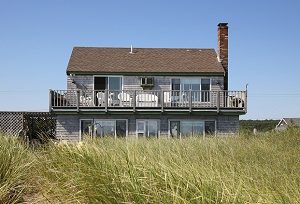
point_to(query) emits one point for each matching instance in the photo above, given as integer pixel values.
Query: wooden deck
(147, 101)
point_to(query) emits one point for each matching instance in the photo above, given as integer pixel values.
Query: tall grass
(15, 166)
(237, 169)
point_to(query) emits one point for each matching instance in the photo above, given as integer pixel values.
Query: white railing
(148, 99)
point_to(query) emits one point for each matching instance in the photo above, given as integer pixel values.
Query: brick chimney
(223, 49)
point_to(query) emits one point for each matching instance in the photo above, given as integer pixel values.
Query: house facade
(148, 92)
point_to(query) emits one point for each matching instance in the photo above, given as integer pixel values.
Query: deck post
(134, 100)
(218, 101)
(162, 100)
(246, 95)
(78, 99)
(106, 99)
(50, 100)
(190, 100)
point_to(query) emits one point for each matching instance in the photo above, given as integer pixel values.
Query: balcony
(147, 101)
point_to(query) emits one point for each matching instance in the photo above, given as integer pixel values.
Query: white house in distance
(284, 123)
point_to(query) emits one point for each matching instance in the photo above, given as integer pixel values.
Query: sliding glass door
(191, 128)
(185, 128)
(192, 85)
(199, 87)
(103, 128)
(108, 82)
(111, 83)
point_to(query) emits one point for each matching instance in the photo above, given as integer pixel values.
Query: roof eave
(148, 73)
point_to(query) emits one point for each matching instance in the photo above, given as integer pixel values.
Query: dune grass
(15, 165)
(235, 169)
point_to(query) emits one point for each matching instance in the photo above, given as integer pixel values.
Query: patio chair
(125, 99)
(82, 101)
(101, 98)
(146, 100)
(167, 99)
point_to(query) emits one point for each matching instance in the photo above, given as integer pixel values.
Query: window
(147, 128)
(205, 90)
(111, 83)
(185, 128)
(210, 127)
(121, 128)
(199, 87)
(114, 83)
(103, 128)
(141, 129)
(175, 129)
(108, 82)
(175, 84)
(191, 128)
(86, 128)
(147, 81)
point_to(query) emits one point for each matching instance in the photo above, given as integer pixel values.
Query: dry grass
(260, 169)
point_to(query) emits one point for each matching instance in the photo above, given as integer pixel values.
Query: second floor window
(200, 88)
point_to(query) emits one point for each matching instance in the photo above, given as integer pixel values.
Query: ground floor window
(147, 128)
(103, 128)
(86, 128)
(210, 127)
(184, 128)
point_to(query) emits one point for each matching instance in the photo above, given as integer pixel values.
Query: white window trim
(169, 125)
(136, 126)
(187, 78)
(93, 122)
(122, 82)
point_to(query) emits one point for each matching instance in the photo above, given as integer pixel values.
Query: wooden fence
(32, 126)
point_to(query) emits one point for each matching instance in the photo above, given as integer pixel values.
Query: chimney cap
(222, 24)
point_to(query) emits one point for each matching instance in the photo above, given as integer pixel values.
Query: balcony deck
(135, 101)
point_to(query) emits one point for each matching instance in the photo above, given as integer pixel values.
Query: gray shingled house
(148, 92)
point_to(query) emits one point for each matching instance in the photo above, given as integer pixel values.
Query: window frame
(107, 76)
(80, 127)
(93, 122)
(181, 89)
(146, 130)
(180, 135)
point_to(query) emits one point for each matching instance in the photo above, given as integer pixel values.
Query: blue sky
(37, 37)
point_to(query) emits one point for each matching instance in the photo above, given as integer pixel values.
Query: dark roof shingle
(145, 60)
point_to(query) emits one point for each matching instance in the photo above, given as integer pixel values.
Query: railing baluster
(78, 100)
(190, 100)
(106, 99)
(162, 100)
(134, 100)
(218, 101)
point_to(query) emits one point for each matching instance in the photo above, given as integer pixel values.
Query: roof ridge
(186, 48)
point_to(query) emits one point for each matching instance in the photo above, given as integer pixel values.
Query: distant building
(284, 123)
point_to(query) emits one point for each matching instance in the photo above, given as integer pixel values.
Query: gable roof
(143, 60)
(289, 122)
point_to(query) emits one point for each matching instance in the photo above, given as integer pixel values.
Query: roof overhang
(149, 73)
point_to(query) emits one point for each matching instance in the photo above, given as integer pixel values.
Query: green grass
(236, 169)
